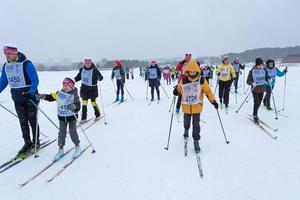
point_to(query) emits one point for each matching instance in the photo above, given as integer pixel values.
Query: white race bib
(117, 74)
(152, 73)
(15, 75)
(225, 72)
(87, 77)
(191, 93)
(63, 101)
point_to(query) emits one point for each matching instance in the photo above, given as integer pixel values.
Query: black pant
(236, 81)
(27, 114)
(267, 98)
(196, 124)
(120, 85)
(224, 89)
(257, 98)
(157, 92)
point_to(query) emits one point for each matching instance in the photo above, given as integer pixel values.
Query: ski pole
(36, 132)
(114, 86)
(245, 99)
(167, 148)
(284, 94)
(227, 142)
(235, 97)
(43, 113)
(174, 97)
(105, 122)
(244, 79)
(83, 131)
(127, 90)
(276, 116)
(147, 85)
(164, 91)
(46, 136)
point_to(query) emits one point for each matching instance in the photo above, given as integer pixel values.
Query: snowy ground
(131, 162)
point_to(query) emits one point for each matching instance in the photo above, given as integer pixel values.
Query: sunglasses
(87, 60)
(188, 54)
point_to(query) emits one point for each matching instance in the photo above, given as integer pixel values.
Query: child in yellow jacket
(192, 88)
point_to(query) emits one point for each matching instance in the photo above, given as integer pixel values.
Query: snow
(131, 163)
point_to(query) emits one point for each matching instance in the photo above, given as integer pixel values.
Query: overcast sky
(140, 29)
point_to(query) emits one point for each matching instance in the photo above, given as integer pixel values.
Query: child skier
(89, 76)
(273, 71)
(225, 73)
(257, 78)
(192, 88)
(237, 68)
(119, 73)
(153, 75)
(68, 105)
(206, 72)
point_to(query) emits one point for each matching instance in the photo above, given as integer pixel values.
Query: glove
(72, 107)
(40, 96)
(216, 105)
(175, 91)
(286, 69)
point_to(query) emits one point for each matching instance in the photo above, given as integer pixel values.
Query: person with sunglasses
(226, 74)
(20, 74)
(68, 106)
(89, 76)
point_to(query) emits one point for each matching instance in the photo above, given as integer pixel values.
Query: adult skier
(153, 75)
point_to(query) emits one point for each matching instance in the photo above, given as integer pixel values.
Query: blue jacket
(31, 78)
(273, 79)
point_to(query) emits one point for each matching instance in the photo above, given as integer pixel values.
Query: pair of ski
(52, 163)
(152, 102)
(262, 126)
(116, 103)
(19, 158)
(199, 164)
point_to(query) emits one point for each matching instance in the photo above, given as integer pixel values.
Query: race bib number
(15, 75)
(225, 72)
(117, 74)
(152, 73)
(63, 102)
(191, 93)
(259, 76)
(87, 77)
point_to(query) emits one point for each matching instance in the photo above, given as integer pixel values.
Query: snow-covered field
(131, 163)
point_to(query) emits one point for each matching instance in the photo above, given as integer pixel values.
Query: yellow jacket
(204, 89)
(226, 72)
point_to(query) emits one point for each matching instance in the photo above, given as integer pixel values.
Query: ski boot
(269, 108)
(256, 120)
(117, 98)
(177, 110)
(26, 147)
(59, 154)
(186, 134)
(122, 98)
(77, 152)
(197, 146)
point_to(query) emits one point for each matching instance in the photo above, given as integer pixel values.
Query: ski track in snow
(131, 163)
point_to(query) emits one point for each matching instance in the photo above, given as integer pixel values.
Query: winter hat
(259, 61)
(270, 61)
(236, 60)
(226, 57)
(118, 63)
(10, 49)
(69, 82)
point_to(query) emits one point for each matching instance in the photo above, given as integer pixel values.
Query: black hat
(259, 61)
(270, 61)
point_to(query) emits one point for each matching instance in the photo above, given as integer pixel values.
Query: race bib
(259, 76)
(63, 101)
(152, 73)
(87, 77)
(15, 75)
(117, 74)
(205, 73)
(191, 93)
(225, 72)
(236, 67)
(272, 72)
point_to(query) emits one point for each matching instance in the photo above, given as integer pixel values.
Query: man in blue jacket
(21, 76)
(273, 71)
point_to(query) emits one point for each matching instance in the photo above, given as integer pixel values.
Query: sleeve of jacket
(179, 66)
(51, 97)
(77, 102)
(3, 80)
(207, 90)
(78, 76)
(32, 75)
(158, 72)
(232, 71)
(250, 80)
(280, 73)
(218, 70)
(112, 73)
(99, 75)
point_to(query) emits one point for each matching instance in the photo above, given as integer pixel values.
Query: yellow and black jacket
(231, 75)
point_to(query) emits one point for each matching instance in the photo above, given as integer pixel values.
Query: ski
(265, 124)
(199, 165)
(112, 103)
(45, 168)
(93, 122)
(150, 103)
(84, 122)
(185, 146)
(23, 157)
(263, 129)
(67, 165)
(158, 102)
(119, 103)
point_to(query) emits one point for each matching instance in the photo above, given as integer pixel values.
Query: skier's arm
(99, 75)
(158, 73)
(207, 90)
(32, 75)
(250, 80)
(112, 74)
(51, 97)
(280, 73)
(77, 102)
(78, 76)
(232, 72)
(218, 70)
(3, 80)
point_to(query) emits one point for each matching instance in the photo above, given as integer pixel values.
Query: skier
(206, 72)
(180, 69)
(237, 68)
(89, 76)
(273, 71)
(257, 78)
(22, 77)
(127, 70)
(225, 73)
(68, 105)
(153, 75)
(192, 87)
(119, 73)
